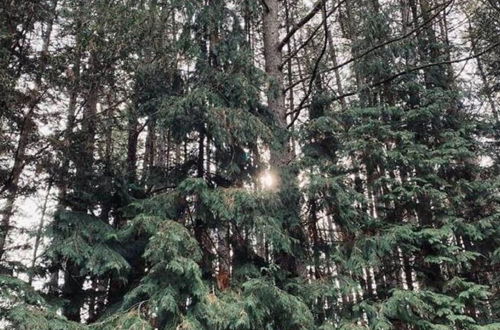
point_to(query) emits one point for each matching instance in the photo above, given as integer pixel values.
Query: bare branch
(316, 8)
(316, 66)
(399, 74)
(381, 45)
(311, 36)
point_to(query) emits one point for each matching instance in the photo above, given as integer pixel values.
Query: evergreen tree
(267, 164)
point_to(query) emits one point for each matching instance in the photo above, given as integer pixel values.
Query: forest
(250, 164)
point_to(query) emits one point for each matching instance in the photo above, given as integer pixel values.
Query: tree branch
(264, 4)
(381, 45)
(316, 29)
(317, 7)
(316, 66)
(399, 74)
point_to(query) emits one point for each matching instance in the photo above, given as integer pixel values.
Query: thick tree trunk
(281, 153)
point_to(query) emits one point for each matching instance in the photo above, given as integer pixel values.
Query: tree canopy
(244, 164)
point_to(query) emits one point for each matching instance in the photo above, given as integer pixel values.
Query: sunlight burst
(268, 180)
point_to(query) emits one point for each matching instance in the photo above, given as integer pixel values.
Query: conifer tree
(210, 164)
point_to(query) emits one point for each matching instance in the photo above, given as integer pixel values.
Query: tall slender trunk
(39, 233)
(338, 79)
(72, 289)
(200, 230)
(149, 154)
(12, 186)
(61, 180)
(28, 126)
(482, 74)
(132, 140)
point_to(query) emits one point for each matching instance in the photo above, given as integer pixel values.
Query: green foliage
(430, 310)
(22, 307)
(130, 320)
(88, 242)
(259, 305)
(387, 217)
(172, 285)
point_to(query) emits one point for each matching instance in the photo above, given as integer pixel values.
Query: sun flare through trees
(249, 164)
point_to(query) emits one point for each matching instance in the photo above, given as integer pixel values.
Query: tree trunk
(39, 233)
(132, 140)
(73, 281)
(12, 186)
(281, 153)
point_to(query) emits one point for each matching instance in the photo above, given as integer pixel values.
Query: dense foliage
(210, 164)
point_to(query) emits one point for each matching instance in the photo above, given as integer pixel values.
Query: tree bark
(281, 153)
